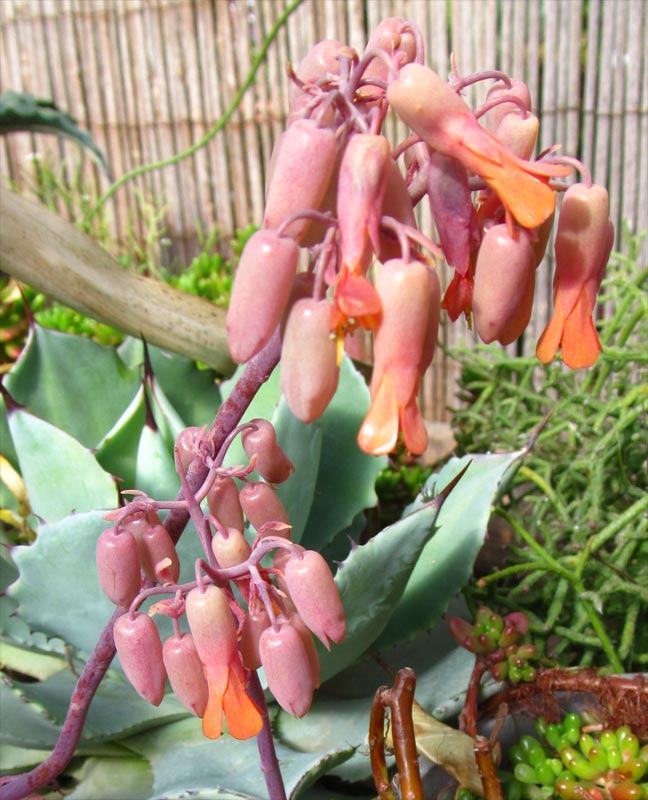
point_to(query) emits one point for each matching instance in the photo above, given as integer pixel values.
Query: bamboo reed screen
(148, 78)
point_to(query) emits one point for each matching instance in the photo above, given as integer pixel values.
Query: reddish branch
(399, 700)
(487, 770)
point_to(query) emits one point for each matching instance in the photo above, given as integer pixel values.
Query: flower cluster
(252, 603)
(338, 198)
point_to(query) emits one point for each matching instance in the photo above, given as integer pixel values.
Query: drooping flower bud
(361, 186)
(293, 188)
(321, 61)
(504, 285)
(157, 545)
(434, 111)
(140, 652)
(518, 90)
(185, 673)
(452, 209)
(315, 596)
(396, 37)
(261, 504)
(272, 463)
(311, 651)
(186, 444)
(214, 632)
(309, 368)
(287, 668)
(118, 566)
(583, 243)
(518, 134)
(255, 622)
(136, 524)
(230, 549)
(260, 292)
(223, 502)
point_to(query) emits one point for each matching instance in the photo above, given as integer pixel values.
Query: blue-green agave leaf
(61, 476)
(224, 767)
(446, 562)
(74, 383)
(191, 391)
(371, 580)
(123, 777)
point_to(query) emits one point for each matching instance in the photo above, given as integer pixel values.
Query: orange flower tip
(243, 717)
(212, 724)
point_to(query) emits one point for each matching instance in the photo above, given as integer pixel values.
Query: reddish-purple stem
(255, 374)
(21, 785)
(265, 743)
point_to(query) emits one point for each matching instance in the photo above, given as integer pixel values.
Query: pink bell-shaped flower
(287, 668)
(403, 347)
(504, 285)
(272, 463)
(435, 112)
(118, 566)
(139, 648)
(315, 596)
(309, 368)
(583, 243)
(261, 289)
(214, 632)
(185, 672)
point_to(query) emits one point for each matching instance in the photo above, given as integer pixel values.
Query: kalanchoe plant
(256, 595)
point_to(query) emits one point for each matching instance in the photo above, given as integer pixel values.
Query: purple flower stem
(256, 373)
(21, 785)
(265, 743)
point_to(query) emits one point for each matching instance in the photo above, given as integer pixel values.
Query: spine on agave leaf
(139, 648)
(261, 289)
(504, 285)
